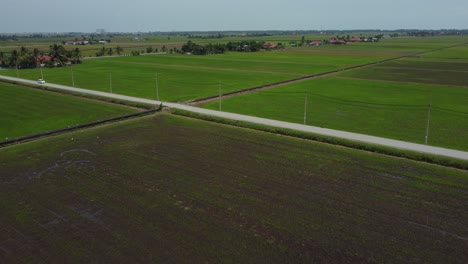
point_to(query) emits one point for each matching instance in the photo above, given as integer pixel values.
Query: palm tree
(101, 52)
(2, 58)
(57, 53)
(23, 50)
(118, 49)
(76, 55)
(36, 52)
(13, 62)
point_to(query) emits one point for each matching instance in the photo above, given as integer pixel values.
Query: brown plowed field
(176, 190)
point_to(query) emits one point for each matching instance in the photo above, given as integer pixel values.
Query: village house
(370, 40)
(337, 41)
(79, 42)
(316, 43)
(41, 60)
(270, 45)
(354, 39)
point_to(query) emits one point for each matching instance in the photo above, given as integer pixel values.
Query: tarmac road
(274, 123)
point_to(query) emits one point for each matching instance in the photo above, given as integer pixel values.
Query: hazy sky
(188, 15)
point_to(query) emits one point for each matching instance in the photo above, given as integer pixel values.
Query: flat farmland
(386, 109)
(422, 43)
(186, 77)
(459, 53)
(445, 67)
(430, 72)
(388, 100)
(192, 191)
(26, 111)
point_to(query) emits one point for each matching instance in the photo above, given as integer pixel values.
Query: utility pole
(157, 88)
(42, 75)
(73, 78)
(219, 90)
(305, 109)
(110, 81)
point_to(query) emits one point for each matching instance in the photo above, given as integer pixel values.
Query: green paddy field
(405, 99)
(25, 111)
(189, 77)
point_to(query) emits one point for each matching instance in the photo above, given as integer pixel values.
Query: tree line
(25, 58)
(109, 51)
(239, 46)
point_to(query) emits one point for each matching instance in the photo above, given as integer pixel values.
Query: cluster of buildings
(43, 60)
(333, 41)
(77, 42)
(338, 41)
(84, 42)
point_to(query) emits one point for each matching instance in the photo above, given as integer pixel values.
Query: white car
(40, 81)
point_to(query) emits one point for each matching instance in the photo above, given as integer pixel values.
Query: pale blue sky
(217, 15)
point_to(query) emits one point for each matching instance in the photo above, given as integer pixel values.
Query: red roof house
(336, 41)
(354, 39)
(43, 58)
(269, 45)
(316, 43)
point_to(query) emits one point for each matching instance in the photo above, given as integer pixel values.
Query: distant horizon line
(235, 31)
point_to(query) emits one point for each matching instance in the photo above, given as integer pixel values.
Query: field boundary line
(416, 69)
(393, 81)
(82, 97)
(207, 58)
(77, 94)
(77, 127)
(461, 61)
(207, 99)
(336, 141)
(209, 68)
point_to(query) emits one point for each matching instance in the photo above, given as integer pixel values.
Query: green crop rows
(185, 77)
(407, 99)
(26, 111)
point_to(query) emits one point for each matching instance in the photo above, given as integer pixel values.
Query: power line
(367, 103)
(450, 110)
(347, 100)
(192, 84)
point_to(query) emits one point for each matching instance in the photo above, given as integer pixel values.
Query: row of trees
(109, 51)
(8, 38)
(31, 58)
(211, 36)
(240, 46)
(244, 46)
(191, 47)
(347, 37)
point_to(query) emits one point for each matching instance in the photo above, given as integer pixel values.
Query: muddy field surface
(176, 190)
